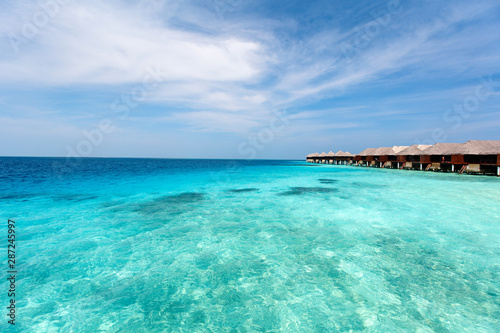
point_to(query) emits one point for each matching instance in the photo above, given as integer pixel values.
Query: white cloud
(435, 48)
(102, 43)
(216, 95)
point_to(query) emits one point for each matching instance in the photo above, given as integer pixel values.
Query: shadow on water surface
(307, 190)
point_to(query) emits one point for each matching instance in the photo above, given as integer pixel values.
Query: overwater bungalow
(337, 156)
(322, 158)
(330, 156)
(436, 157)
(343, 158)
(394, 157)
(312, 158)
(380, 156)
(365, 157)
(476, 156)
(383, 156)
(409, 157)
(386, 156)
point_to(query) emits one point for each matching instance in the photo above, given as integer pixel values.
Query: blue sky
(243, 78)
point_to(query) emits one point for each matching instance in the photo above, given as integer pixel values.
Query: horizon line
(165, 158)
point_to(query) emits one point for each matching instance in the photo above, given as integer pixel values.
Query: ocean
(179, 245)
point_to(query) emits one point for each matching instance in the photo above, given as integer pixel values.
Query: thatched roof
(476, 147)
(413, 150)
(383, 151)
(439, 148)
(397, 149)
(472, 147)
(340, 153)
(368, 152)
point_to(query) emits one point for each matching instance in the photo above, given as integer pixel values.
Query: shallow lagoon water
(159, 245)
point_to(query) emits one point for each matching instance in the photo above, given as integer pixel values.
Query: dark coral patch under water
(74, 197)
(177, 202)
(327, 181)
(367, 185)
(21, 197)
(243, 190)
(307, 190)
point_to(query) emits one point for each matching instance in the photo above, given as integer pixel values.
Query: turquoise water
(138, 245)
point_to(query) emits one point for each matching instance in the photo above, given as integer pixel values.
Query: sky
(249, 79)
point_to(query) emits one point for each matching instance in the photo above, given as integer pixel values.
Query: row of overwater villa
(475, 156)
